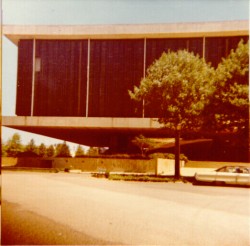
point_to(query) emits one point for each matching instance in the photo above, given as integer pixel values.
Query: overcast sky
(52, 12)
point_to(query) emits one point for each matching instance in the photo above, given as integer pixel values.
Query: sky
(75, 12)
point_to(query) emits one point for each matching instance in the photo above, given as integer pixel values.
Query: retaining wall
(152, 166)
(114, 165)
(84, 164)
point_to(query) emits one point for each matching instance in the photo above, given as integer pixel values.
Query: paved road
(50, 208)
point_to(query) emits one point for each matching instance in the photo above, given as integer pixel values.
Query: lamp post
(177, 151)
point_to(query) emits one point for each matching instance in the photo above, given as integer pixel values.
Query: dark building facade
(91, 78)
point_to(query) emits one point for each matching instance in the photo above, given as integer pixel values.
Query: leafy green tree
(93, 151)
(179, 85)
(14, 145)
(229, 109)
(62, 150)
(50, 151)
(31, 147)
(4, 148)
(79, 151)
(143, 143)
(42, 150)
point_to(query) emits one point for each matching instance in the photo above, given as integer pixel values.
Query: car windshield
(226, 169)
(230, 169)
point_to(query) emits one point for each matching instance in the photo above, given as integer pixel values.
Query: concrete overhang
(169, 30)
(88, 131)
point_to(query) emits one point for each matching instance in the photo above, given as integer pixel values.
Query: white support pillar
(87, 89)
(187, 45)
(144, 57)
(33, 77)
(204, 48)
(144, 72)
(79, 81)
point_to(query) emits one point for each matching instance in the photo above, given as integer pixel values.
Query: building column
(177, 151)
(144, 72)
(87, 89)
(33, 77)
(204, 48)
(79, 81)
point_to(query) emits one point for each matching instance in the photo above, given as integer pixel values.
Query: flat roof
(121, 31)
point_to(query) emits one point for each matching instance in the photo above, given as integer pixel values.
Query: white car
(230, 175)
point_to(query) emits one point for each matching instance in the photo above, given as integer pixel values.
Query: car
(227, 175)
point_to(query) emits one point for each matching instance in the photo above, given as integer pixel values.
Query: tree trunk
(177, 154)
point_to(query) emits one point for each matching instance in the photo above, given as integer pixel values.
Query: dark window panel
(57, 83)
(24, 78)
(215, 50)
(155, 48)
(220, 47)
(195, 45)
(115, 67)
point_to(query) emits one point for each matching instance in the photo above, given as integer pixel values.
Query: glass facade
(218, 47)
(24, 78)
(92, 77)
(115, 67)
(61, 82)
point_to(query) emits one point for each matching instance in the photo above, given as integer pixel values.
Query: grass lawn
(146, 178)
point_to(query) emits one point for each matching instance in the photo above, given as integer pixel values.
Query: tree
(143, 143)
(14, 145)
(31, 146)
(93, 151)
(50, 151)
(42, 150)
(182, 84)
(79, 152)
(30, 150)
(62, 150)
(229, 109)
(3, 149)
(179, 85)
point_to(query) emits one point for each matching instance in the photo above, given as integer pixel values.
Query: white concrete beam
(169, 30)
(81, 122)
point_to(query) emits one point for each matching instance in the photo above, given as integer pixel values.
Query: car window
(222, 169)
(244, 170)
(236, 169)
(232, 169)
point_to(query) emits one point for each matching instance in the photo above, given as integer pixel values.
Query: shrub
(167, 156)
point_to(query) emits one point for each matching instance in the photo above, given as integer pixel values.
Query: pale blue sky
(121, 11)
(52, 12)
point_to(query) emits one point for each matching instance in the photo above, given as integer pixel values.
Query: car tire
(219, 183)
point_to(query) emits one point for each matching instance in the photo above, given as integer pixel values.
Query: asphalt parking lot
(63, 208)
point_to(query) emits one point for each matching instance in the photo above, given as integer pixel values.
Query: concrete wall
(8, 161)
(213, 164)
(160, 166)
(26, 162)
(166, 166)
(114, 165)
(85, 164)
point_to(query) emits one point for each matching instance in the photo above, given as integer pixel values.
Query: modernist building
(73, 81)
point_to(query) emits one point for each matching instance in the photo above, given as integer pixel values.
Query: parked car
(229, 175)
